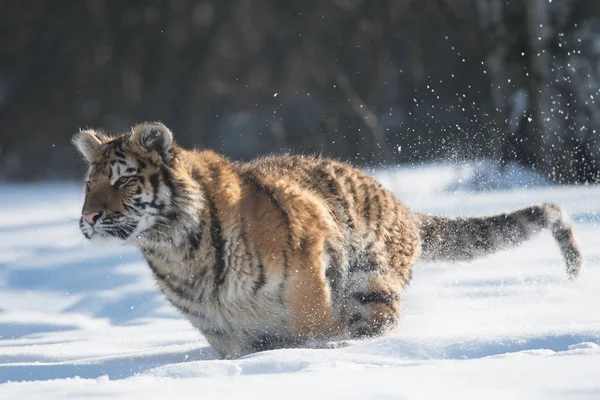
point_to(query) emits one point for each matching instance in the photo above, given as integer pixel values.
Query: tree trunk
(557, 74)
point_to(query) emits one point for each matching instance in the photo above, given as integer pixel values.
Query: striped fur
(468, 238)
(281, 250)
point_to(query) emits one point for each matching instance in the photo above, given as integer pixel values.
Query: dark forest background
(374, 82)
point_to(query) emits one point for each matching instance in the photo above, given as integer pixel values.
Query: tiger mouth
(123, 232)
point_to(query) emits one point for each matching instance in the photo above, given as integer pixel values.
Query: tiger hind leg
(373, 301)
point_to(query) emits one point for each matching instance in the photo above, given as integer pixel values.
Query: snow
(84, 321)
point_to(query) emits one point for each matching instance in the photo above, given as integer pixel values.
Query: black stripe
(168, 180)
(535, 214)
(363, 261)
(186, 310)
(378, 222)
(337, 191)
(334, 274)
(261, 280)
(352, 189)
(167, 281)
(355, 319)
(195, 239)
(213, 331)
(480, 233)
(122, 231)
(334, 277)
(87, 236)
(218, 244)
(324, 176)
(363, 332)
(376, 297)
(119, 153)
(216, 234)
(154, 181)
(367, 208)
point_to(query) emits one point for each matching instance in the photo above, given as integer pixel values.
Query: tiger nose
(92, 217)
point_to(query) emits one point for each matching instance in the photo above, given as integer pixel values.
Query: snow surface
(81, 321)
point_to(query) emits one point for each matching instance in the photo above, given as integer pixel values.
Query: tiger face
(125, 191)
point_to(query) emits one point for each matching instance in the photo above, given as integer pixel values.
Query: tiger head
(129, 187)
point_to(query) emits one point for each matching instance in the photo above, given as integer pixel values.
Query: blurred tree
(544, 62)
(351, 78)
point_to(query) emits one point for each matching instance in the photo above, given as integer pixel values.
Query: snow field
(83, 321)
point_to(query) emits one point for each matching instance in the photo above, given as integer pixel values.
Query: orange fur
(267, 253)
(276, 251)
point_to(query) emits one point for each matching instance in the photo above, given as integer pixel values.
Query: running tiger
(281, 250)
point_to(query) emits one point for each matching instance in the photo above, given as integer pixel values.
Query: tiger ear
(153, 136)
(87, 142)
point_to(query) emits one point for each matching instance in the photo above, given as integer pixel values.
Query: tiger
(279, 251)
